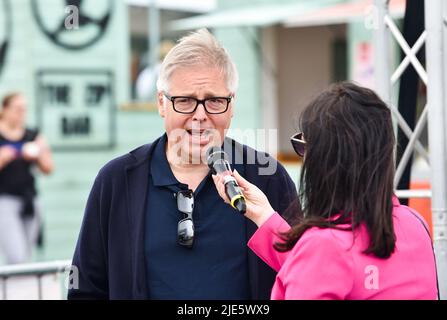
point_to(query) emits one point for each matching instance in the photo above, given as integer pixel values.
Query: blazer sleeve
(89, 268)
(265, 237)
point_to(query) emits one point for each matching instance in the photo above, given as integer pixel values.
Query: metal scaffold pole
(381, 53)
(434, 113)
(435, 48)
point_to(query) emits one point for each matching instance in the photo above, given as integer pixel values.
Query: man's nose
(200, 113)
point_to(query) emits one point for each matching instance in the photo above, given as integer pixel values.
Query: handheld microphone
(218, 163)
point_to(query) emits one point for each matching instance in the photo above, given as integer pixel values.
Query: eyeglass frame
(297, 141)
(198, 101)
(186, 223)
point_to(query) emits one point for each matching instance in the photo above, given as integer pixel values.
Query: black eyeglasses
(298, 144)
(188, 105)
(185, 228)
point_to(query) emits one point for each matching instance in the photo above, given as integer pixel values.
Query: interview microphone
(218, 163)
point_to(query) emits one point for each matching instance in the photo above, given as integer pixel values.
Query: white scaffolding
(434, 36)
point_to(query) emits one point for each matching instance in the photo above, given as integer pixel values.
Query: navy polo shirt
(216, 266)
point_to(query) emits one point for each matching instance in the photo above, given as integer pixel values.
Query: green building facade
(77, 81)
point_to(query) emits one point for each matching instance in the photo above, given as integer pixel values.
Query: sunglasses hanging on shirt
(185, 228)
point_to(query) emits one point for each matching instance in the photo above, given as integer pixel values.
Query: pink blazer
(329, 263)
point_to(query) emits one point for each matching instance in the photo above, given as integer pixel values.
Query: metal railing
(34, 281)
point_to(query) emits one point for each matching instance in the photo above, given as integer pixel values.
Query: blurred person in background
(146, 87)
(352, 240)
(154, 225)
(21, 149)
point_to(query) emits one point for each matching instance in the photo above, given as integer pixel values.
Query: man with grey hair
(155, 226)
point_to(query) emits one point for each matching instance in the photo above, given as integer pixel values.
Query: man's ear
(161, 106)
(232, 105)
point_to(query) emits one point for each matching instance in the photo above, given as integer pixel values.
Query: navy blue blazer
(109, 255)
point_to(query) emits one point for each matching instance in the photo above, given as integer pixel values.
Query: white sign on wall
(76, 107)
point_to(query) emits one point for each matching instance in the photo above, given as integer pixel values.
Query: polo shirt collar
(160, 170)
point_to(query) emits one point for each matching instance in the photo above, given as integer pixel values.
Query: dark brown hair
(348, 170)
(8, 98)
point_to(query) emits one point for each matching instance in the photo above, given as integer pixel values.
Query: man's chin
(198, 153)
(195, 151)
(193, 154)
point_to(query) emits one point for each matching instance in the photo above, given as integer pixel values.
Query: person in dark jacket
(154, 225)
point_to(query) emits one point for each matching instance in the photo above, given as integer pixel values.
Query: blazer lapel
(137, 176)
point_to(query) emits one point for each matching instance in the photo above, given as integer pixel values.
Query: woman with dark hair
(21, 149)
(351, 239)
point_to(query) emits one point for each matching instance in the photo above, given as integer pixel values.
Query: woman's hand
(44, 159)
(258, 206)
(30, 151)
